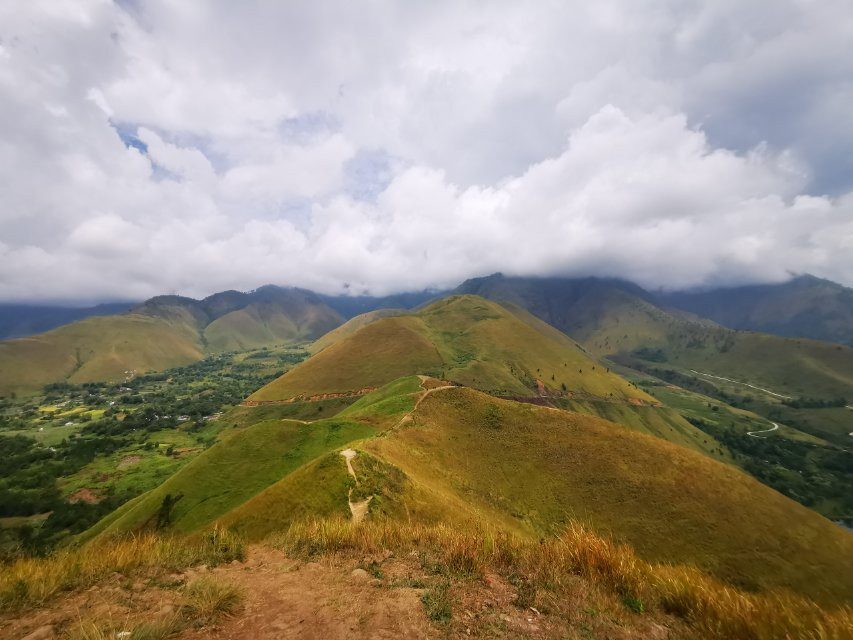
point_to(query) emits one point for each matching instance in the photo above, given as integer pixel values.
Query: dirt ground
(344, 596)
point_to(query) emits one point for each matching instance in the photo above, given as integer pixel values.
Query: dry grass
(32, 581)
(205, 601)
(710, 607)
(208, 599)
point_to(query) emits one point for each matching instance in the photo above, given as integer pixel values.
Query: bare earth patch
(85, 495)
(129, 461)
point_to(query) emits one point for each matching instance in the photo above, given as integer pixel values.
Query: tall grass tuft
(32, 581)
(208, 599)
(715, 609)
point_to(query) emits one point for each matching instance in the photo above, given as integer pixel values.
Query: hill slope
(805, 307)
(166, 331)
(19, 320)
(463, 458)
(540, 468)
(98, 348)
(463, 338)
(612, 317)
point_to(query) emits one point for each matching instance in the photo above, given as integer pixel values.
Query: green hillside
(465, 339)
(164, 332)
(539, 469)
(98, 348)
(242, 464)
(618, 320)
(503, 350)
(351, 326)
(460, 457)
(262, 324)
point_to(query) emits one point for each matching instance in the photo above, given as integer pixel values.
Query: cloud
(156, 147)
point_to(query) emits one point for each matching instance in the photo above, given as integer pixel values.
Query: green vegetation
(649, 493)
(317, 488)
(815, 475)
(464, 339)
(98, 348)
(77, 452)
(164, 332)
(241, 465)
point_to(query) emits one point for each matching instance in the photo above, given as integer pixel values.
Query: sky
(180, 146)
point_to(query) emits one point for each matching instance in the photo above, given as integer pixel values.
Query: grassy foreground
(544, 571)
(31, 582)
(708, 606)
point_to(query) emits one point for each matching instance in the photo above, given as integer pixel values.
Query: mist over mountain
(805, 306)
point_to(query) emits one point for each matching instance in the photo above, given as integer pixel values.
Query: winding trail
(357, 509)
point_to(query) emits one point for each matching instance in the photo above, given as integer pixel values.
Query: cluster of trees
(178, 398)
(815, 403)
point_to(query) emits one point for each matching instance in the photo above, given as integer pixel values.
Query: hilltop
(163, 332)
(429, 452)
(466, 339)
(617, 320)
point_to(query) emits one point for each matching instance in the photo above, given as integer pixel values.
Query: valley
(645, 429)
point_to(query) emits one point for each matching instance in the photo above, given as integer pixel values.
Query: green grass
(97, 348)
(376, 355)
(663, 422)
(107, 473)
(387, 404)
(263, 324)
(234, 470)
(51, 434)
(351, 326)
(318, 488)
(670, 503)
(463, 338)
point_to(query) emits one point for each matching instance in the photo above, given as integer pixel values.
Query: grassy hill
(19, 320)
(538, 469)
(618, 320)
(503, 350)
(98, 348)
(242, 464)
(164, 332)
(463, 458)
(351, 326)
(465, 339)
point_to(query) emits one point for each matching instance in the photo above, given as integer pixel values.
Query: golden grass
(205, 601)
(208, 599)
(33, 581)
(710, 607)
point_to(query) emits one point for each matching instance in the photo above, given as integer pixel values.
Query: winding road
(773, 428)
(746, 384)
(751, 386)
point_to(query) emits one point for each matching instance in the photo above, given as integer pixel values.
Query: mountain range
(522, 409)
(168, 331)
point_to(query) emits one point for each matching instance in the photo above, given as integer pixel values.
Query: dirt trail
(358, 509)
(336, 598)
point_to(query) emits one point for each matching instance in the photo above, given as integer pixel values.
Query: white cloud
(192, 147)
